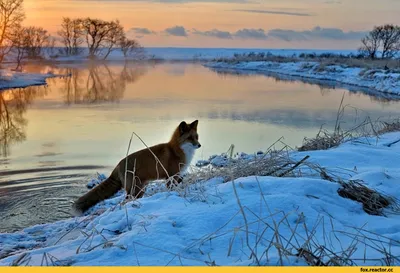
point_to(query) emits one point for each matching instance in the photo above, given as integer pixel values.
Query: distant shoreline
(380, 80)
(336, 68)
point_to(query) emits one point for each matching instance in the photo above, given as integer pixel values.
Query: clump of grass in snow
(326, 139)
(373, 202)
(270, 164)
(387, 127)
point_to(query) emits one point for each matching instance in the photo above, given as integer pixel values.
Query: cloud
(141, 31)
(274, 12)
(286, 34)
(214, 33)
(245, 33)
(316, 33)
(177, 31)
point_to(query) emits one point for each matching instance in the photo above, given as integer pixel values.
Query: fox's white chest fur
(189, 150)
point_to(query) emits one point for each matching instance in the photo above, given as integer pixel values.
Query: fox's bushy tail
(104, 190)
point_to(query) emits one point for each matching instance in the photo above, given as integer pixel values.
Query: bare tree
(130, 47)
(371, 43)
(71, 33)
(385, 39)
(115, 35)
(37, 39)
(100, 34)
(390, 37)
(11, 16)
(20, 42)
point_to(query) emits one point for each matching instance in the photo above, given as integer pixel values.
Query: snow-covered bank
(12, 79)
(375, 79)
(216, 223)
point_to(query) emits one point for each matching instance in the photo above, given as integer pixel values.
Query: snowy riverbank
(11, 79)
(216, 223)
(385, 81)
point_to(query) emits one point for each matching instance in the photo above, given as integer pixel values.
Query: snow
(12, 79)
(96, 180)
(205, 224)
(387, 82)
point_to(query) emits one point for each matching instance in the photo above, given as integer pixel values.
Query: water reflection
(173, 91)
(97, 83)
(13, 105)
(85, 85)
(325, 86)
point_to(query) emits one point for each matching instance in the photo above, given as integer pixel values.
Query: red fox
(161, 161)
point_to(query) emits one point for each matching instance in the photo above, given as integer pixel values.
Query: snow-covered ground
(12, 79)
(376, 79)
(252, 220)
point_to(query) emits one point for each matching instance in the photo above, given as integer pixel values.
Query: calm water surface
(52, 138)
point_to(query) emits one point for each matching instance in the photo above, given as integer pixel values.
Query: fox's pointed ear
(194, 124)
(182, 127)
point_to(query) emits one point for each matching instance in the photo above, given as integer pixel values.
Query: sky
(305, 24)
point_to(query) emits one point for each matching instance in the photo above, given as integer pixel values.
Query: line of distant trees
(101, 37)
(383, 39)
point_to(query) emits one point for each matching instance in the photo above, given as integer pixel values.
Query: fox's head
(188, 134)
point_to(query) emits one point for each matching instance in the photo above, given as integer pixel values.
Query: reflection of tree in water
(13, 105)
(99, 83)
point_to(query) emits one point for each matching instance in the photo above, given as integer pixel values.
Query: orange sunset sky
(333, 24)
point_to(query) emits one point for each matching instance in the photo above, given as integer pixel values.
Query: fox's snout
(198, 145)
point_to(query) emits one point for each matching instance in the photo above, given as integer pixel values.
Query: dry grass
(363, 63)
(388, 127)
(256, 57)
(325, 60)
(277, 164)
(326, 139)
(373, 202)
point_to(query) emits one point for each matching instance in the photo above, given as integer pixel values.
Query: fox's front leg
(174, 181)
